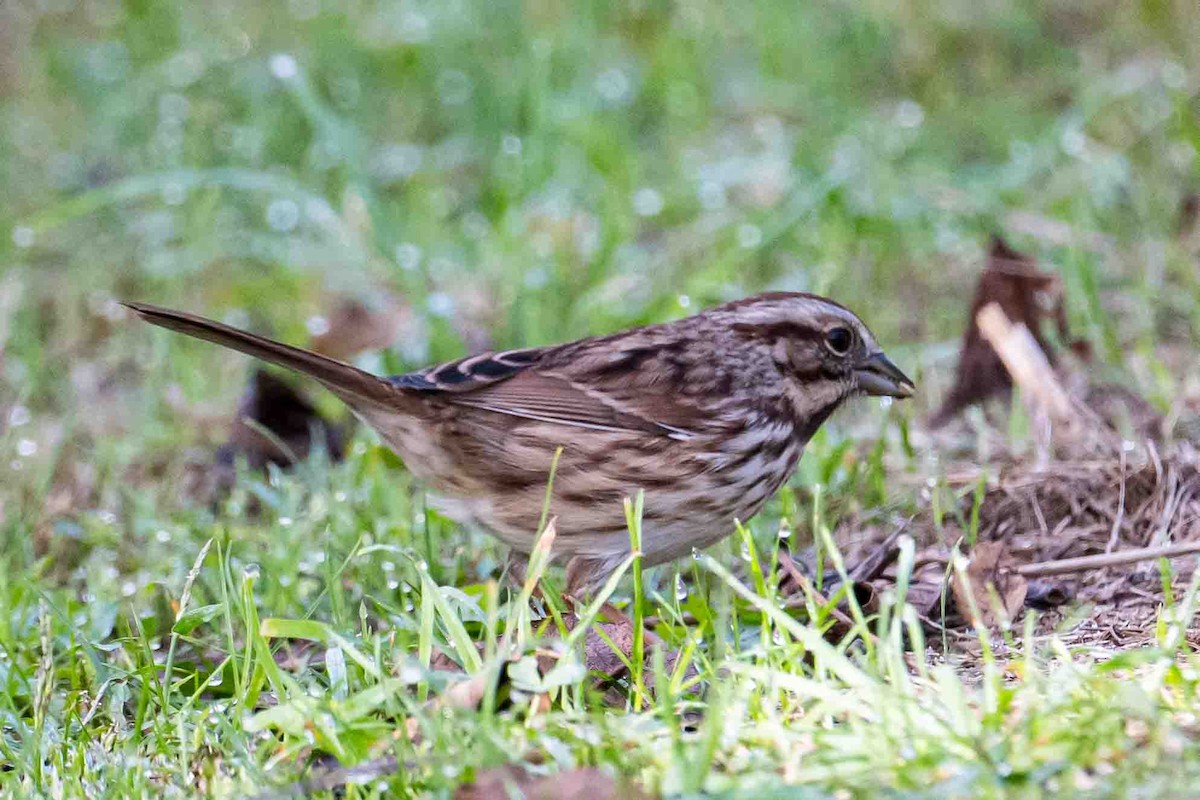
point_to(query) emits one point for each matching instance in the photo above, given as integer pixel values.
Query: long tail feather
(350, 383)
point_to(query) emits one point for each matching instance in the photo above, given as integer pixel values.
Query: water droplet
(26, 448)
(684, 301)
(681, 590)
(746, 551)
(339, 497)
(250, 572)
(1174, 75)
(285, 521)
(408, 256)
(613, 85)
(909, 114)
(393, 584)
(785, 530)
(1073, 141)
(440, 304)
(397, 161)
(283, 66)
(162, 535)
(18, 416)
(216, 679)
(696, 553)
(316, 325)
(712, 195)
(423, 565)
(777, 636)
(411, 673)
(128, 588)
(510, 145)
(885, 403)
(283, 215)
(749, 236)
(647, 202)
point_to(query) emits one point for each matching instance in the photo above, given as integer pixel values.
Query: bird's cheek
(781, 352)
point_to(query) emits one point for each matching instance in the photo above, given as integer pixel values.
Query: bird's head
(819, 343)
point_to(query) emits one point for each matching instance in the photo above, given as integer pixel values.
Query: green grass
(525, 174)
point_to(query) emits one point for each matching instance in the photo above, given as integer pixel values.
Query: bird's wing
(520, 383)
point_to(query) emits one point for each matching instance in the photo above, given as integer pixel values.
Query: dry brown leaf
(352, 327)
(588, 783)
(990, 576)
(1026, 295)
(289, 420)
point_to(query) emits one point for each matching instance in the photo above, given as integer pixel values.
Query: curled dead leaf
(1026, 295)
(588, 783)
(989, 591)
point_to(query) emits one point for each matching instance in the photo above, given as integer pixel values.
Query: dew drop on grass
(785, 530)
(22, 236)
(128, 588)
(216, 679)
(283, 215)
(393, 584)
(681, 590)
(162, 536)
(746, 551)
(250, 572)
(411, 673)
(26, 448)
(18, 416)
(749, 236)
(283, 66)
(696, 554)
(285, 521)
(316, 325)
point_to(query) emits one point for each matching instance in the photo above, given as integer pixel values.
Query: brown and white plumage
(708, 415)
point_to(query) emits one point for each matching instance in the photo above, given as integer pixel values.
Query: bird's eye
(839, 340)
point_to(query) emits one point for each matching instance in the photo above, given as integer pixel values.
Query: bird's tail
(350, 383)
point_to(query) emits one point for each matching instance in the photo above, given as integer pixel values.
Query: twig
(1085, 563)
(1115, 535)
(785, 559)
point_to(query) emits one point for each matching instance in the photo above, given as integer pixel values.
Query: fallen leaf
(990, 576)
(276, 424)
(1026, 295)
(353, 327)
(588, 783)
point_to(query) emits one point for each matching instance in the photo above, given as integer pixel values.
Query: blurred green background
(526, 172)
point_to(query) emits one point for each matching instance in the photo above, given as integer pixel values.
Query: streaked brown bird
(708, 415)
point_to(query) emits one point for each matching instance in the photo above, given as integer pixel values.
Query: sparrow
(707, 415)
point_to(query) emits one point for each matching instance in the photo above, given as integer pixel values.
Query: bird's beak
(878, 376)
